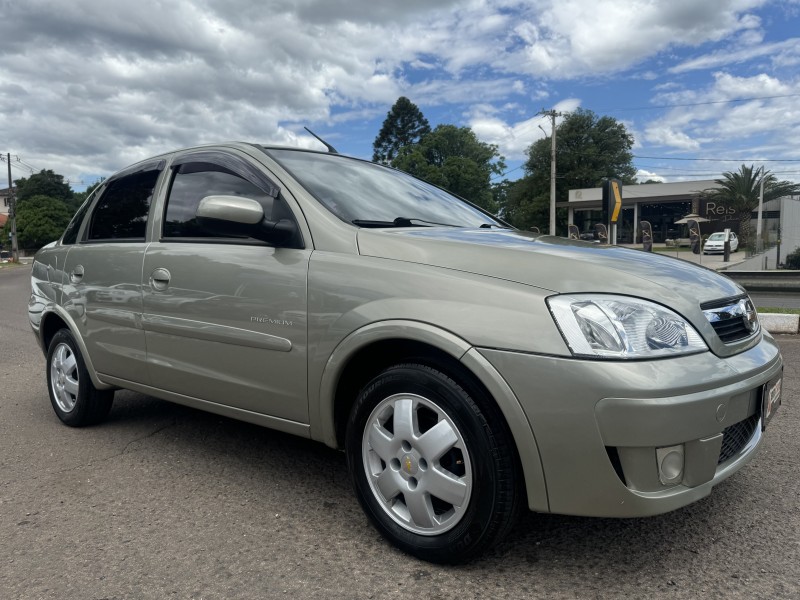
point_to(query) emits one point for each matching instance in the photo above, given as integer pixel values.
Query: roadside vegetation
(45, 204)
(779, 310)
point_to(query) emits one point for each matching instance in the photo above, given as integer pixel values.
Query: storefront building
(659, 203)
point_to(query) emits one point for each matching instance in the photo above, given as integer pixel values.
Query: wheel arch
(369, 350)
(56, 318)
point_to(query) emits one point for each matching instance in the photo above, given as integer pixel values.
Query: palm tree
(740, 191)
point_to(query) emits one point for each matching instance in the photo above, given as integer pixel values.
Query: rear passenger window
(193, 182)
(121, 212)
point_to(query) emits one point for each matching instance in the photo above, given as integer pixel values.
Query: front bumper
(601, 427)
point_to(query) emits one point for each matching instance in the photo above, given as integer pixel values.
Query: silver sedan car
(467, 369)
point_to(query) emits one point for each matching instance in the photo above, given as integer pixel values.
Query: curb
(779, 323)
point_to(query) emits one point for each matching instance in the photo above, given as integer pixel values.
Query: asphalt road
(167, 502)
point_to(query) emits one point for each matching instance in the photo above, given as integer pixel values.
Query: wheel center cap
(409, 464)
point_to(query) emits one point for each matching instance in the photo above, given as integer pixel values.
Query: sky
(88, 87)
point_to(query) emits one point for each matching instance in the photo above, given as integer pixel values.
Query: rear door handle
(159, 279)
(76, 274)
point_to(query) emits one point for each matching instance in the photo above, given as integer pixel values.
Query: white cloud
(781, 51)
(718, 120)
(568, 38)
(643, 175)
(91, 85)
(667, 136)
(514, 139)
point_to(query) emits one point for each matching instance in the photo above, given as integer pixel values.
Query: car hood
(552, 263)
(558, 265)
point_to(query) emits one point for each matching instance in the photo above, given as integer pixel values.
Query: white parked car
(716, 243)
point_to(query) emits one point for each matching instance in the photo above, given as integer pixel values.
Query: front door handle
(159, 280)
(76, 274)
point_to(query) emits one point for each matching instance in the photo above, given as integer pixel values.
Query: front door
(225, 319)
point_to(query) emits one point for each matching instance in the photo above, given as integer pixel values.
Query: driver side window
(194, 181)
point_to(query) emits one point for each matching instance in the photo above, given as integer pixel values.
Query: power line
(700, 171)
(789, 160)
(22, 165)
(505, 173)
(15, 164)
(686, 104)
(28, 165)
(697, 172)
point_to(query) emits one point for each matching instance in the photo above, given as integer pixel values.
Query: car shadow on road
(315, 482)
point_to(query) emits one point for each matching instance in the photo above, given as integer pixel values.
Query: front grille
(733, 319)
(731, 330)
(735, 437)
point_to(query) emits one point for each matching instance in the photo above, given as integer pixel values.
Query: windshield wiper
(400, 222)
(490, 225)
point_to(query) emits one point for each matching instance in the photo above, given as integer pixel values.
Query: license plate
(770, 400)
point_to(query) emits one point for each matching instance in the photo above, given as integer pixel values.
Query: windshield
(375, 196)
(717, 237)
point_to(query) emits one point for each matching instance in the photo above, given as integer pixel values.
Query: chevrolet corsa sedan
(466, 368)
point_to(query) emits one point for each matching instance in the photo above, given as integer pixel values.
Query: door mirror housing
(238, 216)
(232, 209)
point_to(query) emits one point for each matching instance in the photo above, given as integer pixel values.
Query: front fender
(322, 398)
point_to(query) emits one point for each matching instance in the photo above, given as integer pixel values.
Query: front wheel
(432, 464)
(74, 398)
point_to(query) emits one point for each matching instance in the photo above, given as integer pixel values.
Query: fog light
(670, 464)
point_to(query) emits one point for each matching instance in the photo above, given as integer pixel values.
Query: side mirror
(237, 216)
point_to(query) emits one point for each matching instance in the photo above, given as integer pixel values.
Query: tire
(432, 464)
(74, 398)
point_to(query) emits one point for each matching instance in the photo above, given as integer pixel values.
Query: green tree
(527, 205)
(404, 125)
(740, 190)
(44, 183)
(588, 149)
(455, 159)
(40, 220)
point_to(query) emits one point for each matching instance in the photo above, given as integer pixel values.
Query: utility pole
(12, 212)
(552, 114)
(760, 207)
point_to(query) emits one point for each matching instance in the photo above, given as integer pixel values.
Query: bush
(793, 260)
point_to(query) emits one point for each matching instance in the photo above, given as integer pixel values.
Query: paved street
(164, 501)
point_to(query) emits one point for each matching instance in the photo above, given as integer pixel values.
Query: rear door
(103, 274)
(225, 319)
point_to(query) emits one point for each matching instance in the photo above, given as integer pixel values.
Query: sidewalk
(757, 262)
(711, 261)
(738, 261)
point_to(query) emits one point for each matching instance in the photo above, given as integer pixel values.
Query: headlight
(619, 327)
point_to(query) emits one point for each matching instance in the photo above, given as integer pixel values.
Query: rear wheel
(74, 398)
(432, 464)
